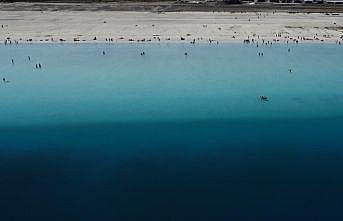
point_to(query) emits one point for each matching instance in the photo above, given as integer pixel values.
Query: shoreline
(103, 43)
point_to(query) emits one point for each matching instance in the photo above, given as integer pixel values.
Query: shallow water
(171, 137)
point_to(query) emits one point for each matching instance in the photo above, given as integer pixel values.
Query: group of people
(8, 41)
(38, 65)
(278, 37)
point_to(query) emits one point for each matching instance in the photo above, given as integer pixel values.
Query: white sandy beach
(52, 26)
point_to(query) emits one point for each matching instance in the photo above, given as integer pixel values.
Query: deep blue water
(169, 137)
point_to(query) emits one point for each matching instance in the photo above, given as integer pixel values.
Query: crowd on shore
(296, 33)
(278, 38)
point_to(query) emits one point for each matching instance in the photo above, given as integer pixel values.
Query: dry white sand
(51, 26)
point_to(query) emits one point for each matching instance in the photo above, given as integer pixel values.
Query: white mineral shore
(125, 26)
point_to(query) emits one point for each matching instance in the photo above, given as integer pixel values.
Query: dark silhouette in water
(263, 98)
(12, 61)
(5, 81)
(29, 58)
(103, 53)
(39, 65)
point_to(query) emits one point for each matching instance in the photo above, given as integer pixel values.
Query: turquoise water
(77, 84)
(166, 136)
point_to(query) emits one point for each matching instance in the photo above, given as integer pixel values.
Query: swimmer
(263, 98)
